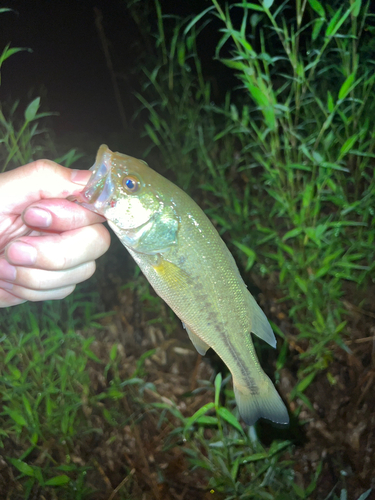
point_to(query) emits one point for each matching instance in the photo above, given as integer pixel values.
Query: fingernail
(37, 217)
(7, 271)
(80, 176)
(5, 285)
(20, 253)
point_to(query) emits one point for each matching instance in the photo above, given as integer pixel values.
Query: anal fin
(259, 323)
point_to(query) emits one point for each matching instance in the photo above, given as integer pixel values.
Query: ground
(142, 457)
(340, 431)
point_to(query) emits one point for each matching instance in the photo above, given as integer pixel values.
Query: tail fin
(266, 404)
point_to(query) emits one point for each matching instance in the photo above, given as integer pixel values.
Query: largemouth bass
(189, 266)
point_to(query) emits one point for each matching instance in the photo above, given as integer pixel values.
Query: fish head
(129, 194)
(117, 190)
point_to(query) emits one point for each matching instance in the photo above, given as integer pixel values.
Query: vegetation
(285, 168)
(290, 161)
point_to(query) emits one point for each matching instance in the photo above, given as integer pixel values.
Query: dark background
(68, 69)
(67, 66)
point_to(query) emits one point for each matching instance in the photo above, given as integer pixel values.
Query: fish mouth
(100, 187)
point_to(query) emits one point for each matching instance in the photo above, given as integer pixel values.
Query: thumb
(41, 179)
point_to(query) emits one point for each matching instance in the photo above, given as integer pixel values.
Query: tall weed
(288, 159)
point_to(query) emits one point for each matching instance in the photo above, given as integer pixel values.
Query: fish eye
(131, 184)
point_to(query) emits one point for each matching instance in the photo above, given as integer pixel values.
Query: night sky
(67, 66)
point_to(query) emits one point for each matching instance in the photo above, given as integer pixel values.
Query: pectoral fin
(172, 274)
(197, 342)
(259, 323)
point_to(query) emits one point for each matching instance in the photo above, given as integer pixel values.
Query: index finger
(59, 215)
(60, 251)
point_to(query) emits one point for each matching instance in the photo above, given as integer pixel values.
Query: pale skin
(47, 243)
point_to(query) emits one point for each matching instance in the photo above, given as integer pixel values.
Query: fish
(189, 266)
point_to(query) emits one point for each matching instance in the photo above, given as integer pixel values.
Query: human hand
(47, 243)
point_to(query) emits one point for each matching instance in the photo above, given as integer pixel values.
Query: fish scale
(189, 266)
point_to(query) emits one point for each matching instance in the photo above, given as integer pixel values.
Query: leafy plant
(48, 405)
(288, 162)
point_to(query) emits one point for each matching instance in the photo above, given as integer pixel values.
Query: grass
(238, 464)
(288, 162)
(53, 410)
(45, 385)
